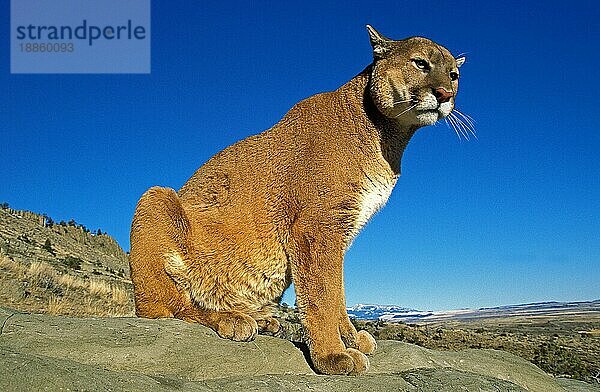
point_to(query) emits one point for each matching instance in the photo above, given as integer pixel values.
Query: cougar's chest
(372, 197)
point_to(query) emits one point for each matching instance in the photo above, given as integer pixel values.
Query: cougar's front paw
(269, 324)
(361, 340)
(237, 326)
(365, 342)
(350, 362)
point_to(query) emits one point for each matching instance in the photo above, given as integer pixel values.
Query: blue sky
(511, 217)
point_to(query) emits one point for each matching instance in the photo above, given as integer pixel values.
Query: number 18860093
(56, 47)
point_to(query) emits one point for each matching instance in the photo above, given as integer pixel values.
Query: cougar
(284, 205)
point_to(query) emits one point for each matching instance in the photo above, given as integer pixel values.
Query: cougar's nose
(442, 95)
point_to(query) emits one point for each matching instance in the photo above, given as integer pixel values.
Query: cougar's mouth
(427, 104)
(430, 106)
(424, 107)
(428, 117)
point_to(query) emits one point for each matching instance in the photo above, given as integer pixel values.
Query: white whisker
(466, 117)
(462, 126)
(409, 108)
(404, 101)
(449, 123)
(464, 122)
(470, 119)
(455, 126)
(468, 122)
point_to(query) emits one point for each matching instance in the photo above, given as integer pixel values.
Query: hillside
(61, 268)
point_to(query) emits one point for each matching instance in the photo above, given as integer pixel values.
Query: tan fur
(284, 206)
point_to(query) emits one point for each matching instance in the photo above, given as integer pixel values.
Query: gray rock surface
(41, 352)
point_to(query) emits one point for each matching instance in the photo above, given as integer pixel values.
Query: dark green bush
(558, 360)
(73, 262)
(48, 247)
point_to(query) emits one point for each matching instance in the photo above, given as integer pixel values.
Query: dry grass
(90, 307)
(71, 282)
(99, 288)
(56, 305)
(39, 287)
(39, 270)
(11, 273)
(41, 275)
(9, 264)
(120, 295)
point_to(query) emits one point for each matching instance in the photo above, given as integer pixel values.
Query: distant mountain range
(392, 313)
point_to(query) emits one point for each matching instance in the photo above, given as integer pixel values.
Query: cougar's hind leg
(159, 229)
(230, 324)
(159, 272)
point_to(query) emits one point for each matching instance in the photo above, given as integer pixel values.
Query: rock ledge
(41, 352)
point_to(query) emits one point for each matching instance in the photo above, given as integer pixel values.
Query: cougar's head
(413, 81)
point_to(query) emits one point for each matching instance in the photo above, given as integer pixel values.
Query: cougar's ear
(460, 61)
(380, 44)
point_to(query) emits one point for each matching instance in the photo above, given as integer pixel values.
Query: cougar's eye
(453, 75)
(421, 64)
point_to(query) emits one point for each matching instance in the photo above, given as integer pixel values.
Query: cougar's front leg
(317, 263)
(361, 340)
